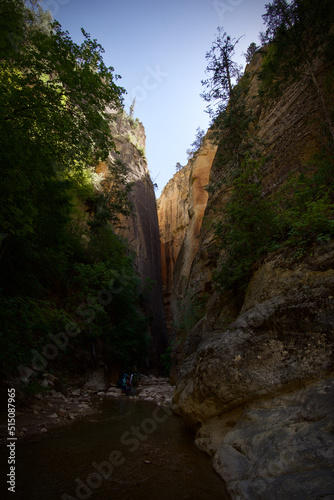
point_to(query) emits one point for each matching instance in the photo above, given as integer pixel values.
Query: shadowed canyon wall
(254, 371)
(141, 229)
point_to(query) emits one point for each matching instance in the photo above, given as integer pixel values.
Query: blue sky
(158, 47)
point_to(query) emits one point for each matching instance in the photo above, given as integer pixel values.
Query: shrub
(246, 230)
(305, 207)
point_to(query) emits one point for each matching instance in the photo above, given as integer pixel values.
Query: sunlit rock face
(254, 372)
(181, 208)
(173, 215)
(141, 229)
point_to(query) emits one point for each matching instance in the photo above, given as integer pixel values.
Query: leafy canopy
(57, 219)
(222, 70)
(199, 138)
(54, 97)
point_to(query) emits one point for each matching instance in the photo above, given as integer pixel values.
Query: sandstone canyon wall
(254, 372)
(142, 229)
(181, 208)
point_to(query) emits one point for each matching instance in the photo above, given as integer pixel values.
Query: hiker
(124, 379)
(134, 383)
(128, 386)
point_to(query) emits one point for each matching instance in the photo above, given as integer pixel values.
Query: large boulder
(261, 391)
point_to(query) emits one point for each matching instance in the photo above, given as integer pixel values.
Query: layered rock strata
(255, 373)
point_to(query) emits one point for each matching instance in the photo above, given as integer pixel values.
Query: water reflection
(131, 450)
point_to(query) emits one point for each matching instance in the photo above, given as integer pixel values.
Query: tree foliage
(231, 117)
(223, 71)
(233, 132)
(245, 231)
(301, 213)
(199, 138)
(57, 101)
(251, 51)
(305, 206)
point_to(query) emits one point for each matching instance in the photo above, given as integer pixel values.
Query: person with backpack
(134, 383)
(128, 386)
(123, 383)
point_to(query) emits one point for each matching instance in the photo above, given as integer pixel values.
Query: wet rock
(114, 392)
(84, 406)
(160, 391)
(283, 445)
(250, 375)
(57, 395)
(96, 381)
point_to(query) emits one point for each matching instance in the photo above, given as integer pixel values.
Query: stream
(130, 450)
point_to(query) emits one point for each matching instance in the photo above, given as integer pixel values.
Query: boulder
(282, 447)
(261, 391)
(96, 382)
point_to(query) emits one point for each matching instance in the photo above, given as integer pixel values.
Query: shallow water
(131, 450)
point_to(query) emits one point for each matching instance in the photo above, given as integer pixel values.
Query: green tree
(199, 138)
(305, 205)
(222, 70)
(57, 218)
(252, 49)
(54, 97)
(112, 290)
(231, 117)
(245, 229)
(231, 131)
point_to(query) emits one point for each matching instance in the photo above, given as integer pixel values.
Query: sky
(158, 48)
